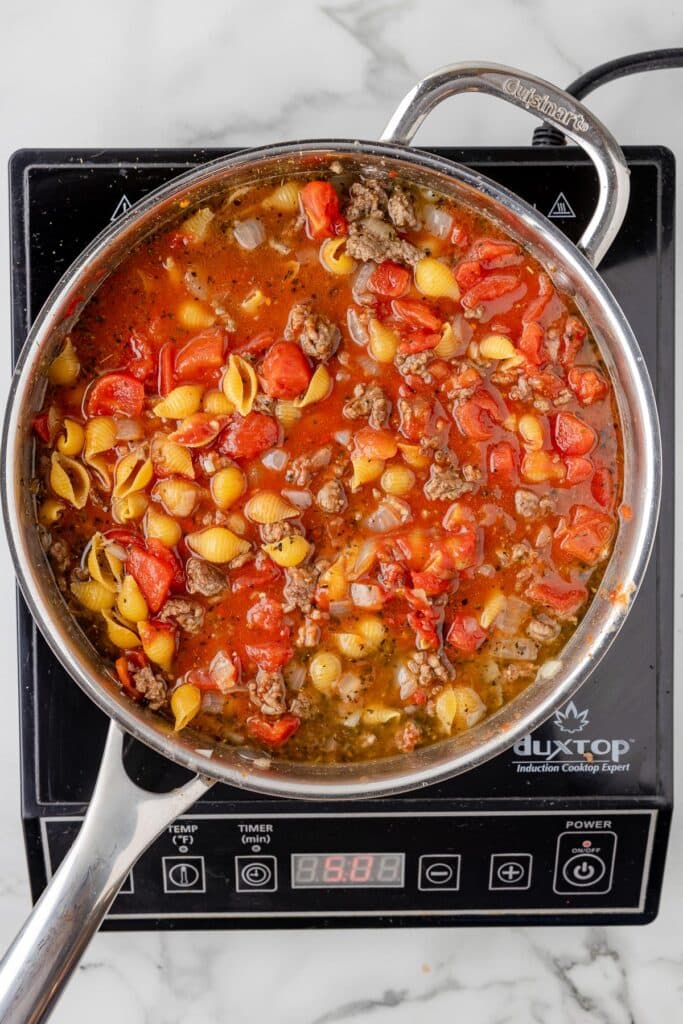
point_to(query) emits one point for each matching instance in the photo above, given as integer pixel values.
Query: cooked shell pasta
(240, 384)
(325, 670)
(158, 644)
(373, 631)
(379, 716)
(177, 495)
(170, 458)
(100, 436)
(65, 368)
(289, 551)
(92, 595)
(365, 469)
(496, 346)
(159, 526)
(227, 485)
(495, 603)
(130, 602)
(186, 701)
(334, 257)
(414, 456)
(383, 342)
(435, 279)
(196, 226)
(133, 506)
(284, 198)
(531, 430)
(120, 635)
(335, 579)
(459, 706)
(287, 412)
(216, 404)
(72, 440)
(217, 544)
(269, 507)
(254, 301)
(194, 315)
(318, 388)
(132, 473)
(351, 645)
(179, 403)
(50, 511)
(103, 565)
(397, 480)
(69, 480)
(449, 345)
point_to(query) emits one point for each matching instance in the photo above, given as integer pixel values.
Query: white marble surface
(141, 74)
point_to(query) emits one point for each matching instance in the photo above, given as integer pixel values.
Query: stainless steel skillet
(122, 820)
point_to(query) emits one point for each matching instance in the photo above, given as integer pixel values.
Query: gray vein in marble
(389, 72)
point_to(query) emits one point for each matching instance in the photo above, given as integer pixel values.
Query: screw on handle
(551, 105)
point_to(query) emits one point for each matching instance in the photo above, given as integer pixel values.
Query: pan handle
(549, 104)
(121, 822)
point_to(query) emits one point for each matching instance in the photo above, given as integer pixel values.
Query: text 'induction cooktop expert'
(570, 825)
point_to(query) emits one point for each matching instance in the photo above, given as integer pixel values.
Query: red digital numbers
(333, 870)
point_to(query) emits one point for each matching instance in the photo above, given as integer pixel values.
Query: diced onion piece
(357, 329)
(366, 595)
(437, 221)
(519, 649)
(275, 458)
(250, 233)
(302, 499)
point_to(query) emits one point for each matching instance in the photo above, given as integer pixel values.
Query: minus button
(439, 871)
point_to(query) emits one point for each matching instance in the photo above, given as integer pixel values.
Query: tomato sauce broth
(329, 468)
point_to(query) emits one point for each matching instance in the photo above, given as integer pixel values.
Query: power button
(584, 862)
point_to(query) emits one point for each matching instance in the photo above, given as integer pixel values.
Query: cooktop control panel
(447, 864)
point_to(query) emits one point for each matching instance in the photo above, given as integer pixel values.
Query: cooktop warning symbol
(561, 209)
(123, 206)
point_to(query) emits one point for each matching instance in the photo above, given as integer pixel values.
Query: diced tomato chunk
(531, 343)
(502, 460)
(375, 444)
(198, 430)
(557, 594)
(571, 435)
(254, 576)
(430, 583)
(419, 341)
(40, 425)
(166, 368)
(587, 534)
(285, 371)
(115, 394)
(602, 487)
(587, 384)
(416, 416)
(274, 733)
(578, 468)
(259, 343)
(143, 363)
(468, 273)
(152, 574)
(492, 287)
(573, 338)
(271, 655)
(266, 614)
(416, 313)
(169, 557)
(465, 633)
(390, 280)
(494, 249)
(537, 306)
(202, 355)
(320, 204)
(247, 436)
(125, 666)
(478, 415)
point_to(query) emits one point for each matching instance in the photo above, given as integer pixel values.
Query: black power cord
(633, 64)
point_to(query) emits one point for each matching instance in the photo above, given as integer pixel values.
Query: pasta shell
(170, 458)
(216, 544)
(335, 258)
(50, 511)
(132, 473)
(120, 635)
(69, 480)
(196, 226)
(186, 701)
(373, 631)
(65, 368)
(103, 565)
(240, 384)
(325, 671)
(365, 469)
(497, 346)
(379, 716)
(158, 643)
(335, 579)
(449, 344)
(92, 595)
(287, 412)
(178, 496)
(174, 272)
(397, 480)
(459, 706)
(269, 507)
(351, 646)
(318, 388)
(227, 485)
(435, 279)
(179, 403)
(493, 606)
(193, 315)
(531, 430)
(383, 342)
(253, 301)
(215, 403)
(72, 440)
(130, 602)
(159, 526)
(100, 436)
(414, 456)
(133, 506)
(289, 551)
(284, 198)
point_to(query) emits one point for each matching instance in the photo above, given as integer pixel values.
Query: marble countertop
(162, 74)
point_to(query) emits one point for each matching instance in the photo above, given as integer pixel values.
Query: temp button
(584, 863)
(439, 871)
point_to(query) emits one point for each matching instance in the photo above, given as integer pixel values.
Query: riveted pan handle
(549, 104)
(121, 822)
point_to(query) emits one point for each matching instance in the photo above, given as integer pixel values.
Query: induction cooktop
(568, 826)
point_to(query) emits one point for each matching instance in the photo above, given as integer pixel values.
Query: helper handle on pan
(121, 822)
(549, 104)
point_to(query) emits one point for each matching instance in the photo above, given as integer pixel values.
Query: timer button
(256, 874)
(439, 871)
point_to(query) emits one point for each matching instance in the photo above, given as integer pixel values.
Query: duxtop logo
(571, 720)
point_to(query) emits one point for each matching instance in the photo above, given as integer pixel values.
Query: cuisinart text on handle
(542, 103)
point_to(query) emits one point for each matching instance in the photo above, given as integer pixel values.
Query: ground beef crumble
(318, 336)
(299, 588)
(203, 578)
(267, 692)
(331, 497)
(189, 615)
(369, 400)
(151, 686)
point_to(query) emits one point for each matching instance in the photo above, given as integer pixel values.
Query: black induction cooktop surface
(610, 747)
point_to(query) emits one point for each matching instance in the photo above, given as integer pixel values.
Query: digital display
(348, 870)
